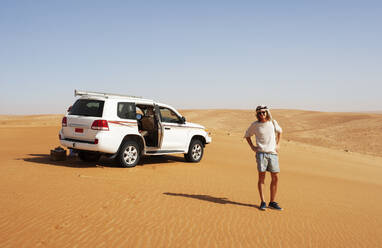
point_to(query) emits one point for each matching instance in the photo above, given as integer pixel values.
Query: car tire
(129, 154)
(89, 156)
(195, 151)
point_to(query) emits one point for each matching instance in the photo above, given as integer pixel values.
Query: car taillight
(64, 122)
(100, 125)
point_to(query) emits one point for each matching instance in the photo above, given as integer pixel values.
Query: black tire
(195, 151)
(87, 156)
(129, 154)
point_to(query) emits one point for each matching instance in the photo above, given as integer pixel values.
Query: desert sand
(330, 188)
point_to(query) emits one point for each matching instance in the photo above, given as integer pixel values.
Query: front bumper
(208, 139)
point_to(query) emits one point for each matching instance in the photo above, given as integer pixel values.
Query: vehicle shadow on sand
(160, 159)
(75, 162)
(220, 200)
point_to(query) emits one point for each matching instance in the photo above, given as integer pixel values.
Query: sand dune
(331, 197)
(355, 132)
(29, 121)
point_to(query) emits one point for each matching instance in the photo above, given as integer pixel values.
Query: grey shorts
(267, 162)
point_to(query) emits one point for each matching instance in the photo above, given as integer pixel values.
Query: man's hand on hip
(254, 148)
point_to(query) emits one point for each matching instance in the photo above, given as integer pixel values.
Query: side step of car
(160, 152)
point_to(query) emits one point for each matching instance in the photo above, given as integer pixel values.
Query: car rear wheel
(129, 154)
(195, 151)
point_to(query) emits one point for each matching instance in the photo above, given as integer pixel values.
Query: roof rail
(90, 93)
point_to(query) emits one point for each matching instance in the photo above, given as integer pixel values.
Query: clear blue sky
(315, 55)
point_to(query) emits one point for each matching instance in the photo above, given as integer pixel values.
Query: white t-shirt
(265, 135)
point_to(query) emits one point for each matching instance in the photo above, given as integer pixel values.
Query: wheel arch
(137, 138)
(198, 137)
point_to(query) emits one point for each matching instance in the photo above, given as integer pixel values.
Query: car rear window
(87, 107)
(126, 110)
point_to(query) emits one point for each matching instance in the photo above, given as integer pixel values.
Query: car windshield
(87, 107)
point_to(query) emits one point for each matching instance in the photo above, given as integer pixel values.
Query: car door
(159, 125)
(175, 132)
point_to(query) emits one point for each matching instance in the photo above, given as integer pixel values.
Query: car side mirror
(138, 116)
(183, 119)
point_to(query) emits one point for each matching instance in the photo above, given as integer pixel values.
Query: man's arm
(278, 138)
(254, 148)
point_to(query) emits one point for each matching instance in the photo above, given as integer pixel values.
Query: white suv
(127, 127)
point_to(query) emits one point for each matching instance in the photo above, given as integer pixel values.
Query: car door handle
(167, 128)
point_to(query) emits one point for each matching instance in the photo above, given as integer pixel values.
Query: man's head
(262, 113)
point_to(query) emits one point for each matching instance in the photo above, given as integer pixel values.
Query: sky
(311, 55)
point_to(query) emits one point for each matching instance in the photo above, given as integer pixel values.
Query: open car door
(160, 126)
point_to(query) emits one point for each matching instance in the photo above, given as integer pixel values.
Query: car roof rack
(106, 95)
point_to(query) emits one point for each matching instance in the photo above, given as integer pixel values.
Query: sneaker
(263, 206)
(274, 205)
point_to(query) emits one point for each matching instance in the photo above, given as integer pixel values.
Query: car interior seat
(147, 121)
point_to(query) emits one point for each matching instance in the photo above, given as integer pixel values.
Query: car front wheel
(195, 151)
(129, 155)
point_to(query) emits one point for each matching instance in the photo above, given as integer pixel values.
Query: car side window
(167, 115)
(126, 110)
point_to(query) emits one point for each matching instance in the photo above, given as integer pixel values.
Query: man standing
(268, 135)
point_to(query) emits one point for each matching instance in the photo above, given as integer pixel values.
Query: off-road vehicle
(128, 127)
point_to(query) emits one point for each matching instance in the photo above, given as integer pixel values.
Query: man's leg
(274, 181)
(274, 169)
(261, 168)
(260, 185)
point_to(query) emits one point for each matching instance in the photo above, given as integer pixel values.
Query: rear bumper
(80, 145)
(105, 145)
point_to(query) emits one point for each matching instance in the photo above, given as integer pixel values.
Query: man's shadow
(219, 200)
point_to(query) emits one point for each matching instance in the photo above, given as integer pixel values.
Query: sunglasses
(262, 112)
